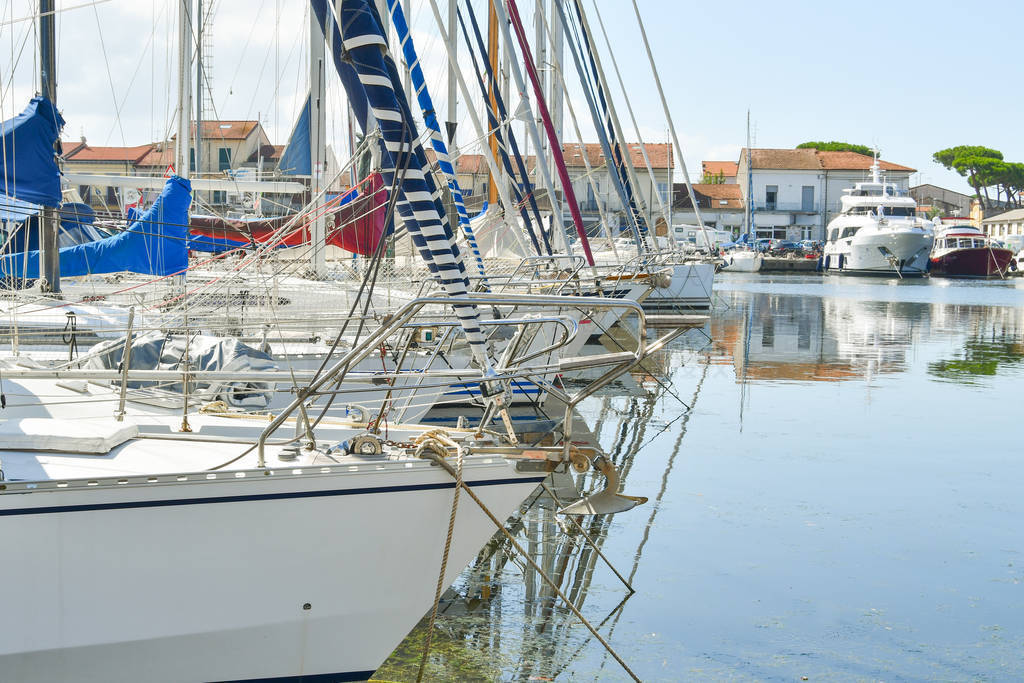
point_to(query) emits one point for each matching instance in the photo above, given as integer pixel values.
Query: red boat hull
(975, 262)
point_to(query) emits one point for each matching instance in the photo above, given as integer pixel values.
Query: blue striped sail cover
(430, 120)
(363, 51)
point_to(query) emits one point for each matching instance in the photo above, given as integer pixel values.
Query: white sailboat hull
(234, 578)
(691, 287)
(743, 262)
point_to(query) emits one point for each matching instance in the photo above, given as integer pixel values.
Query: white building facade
(796, 192)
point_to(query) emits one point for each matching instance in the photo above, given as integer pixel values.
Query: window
(663, 191)
(771, 195)
(219, 197)
(833, 234)
(85, 192)
(223, 158)
(111, 197)
(192, 159)
(807, 198)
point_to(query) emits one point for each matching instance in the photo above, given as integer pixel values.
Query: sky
(903, 76)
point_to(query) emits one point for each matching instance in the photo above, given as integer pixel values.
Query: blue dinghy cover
(30, 170)
(154, 245)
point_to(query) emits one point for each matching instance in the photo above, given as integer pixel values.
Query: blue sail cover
(21, 221)
(324, 14)
(295, 158)
(30, 170)
(153, 245)
(430, 120)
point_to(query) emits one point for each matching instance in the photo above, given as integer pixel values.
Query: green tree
(1008, 177)
(980, 165)
(713, 178)
(836, 147)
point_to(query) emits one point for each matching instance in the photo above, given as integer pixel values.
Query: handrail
(402, 317)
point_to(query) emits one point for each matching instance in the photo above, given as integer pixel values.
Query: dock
(787, 264)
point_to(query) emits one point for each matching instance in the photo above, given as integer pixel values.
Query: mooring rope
(436, 441)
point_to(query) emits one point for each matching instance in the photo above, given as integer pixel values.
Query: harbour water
(834, 471)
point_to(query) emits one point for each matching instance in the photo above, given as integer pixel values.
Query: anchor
(892, 259)
(608, 500)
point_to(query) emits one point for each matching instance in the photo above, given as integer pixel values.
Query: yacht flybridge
(877, 232)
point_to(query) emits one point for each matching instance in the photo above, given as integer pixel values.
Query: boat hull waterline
(234, 578)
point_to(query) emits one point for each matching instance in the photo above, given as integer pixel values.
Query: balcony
(787, 207)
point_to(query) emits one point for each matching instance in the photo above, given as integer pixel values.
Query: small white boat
(743, 261)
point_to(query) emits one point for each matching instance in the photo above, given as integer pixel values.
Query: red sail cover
(355, 222)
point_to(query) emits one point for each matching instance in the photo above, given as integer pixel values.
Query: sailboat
(745, 258)
(150, 542)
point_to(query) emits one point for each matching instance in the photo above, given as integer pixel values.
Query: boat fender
(1013, 265)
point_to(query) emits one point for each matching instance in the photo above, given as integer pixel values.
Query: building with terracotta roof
(726, 170)
(595, 197)
(94, 160)
(720, 204)
(796, 192)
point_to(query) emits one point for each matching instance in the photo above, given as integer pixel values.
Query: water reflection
(502, 620)
(800, 338)
(770, 553)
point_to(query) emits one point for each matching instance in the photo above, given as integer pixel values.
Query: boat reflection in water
(734, 557)
(780, 337)
(502, 621)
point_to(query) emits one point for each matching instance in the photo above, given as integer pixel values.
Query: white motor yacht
(877, 232)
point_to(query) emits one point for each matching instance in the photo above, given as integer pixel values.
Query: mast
(181, 164)
(540, 46)
(672, 129)
(506, 202)
(197, 143)
(555, 98)
(563, 172)
(48, 250)
(492, 57)
(453, 121)
(532, 130)
(748, 215)
(317, 142)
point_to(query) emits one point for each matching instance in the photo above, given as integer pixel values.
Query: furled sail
(295, 159)
(430, 120)
(403, 162)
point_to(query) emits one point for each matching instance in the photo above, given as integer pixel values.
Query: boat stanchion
(126, 361)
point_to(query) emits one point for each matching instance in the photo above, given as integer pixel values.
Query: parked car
(785, 247)
(810, 245)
